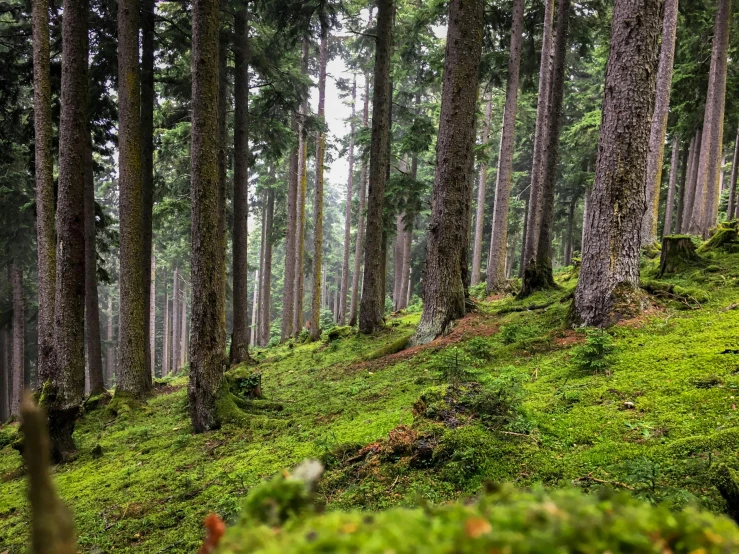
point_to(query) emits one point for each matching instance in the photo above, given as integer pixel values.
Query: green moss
(392, 348)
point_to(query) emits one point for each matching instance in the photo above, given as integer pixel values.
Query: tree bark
(174, 368)
(224, 108)
(133, 377)
(315, 330)
(64, 389)
(165, 333)
(446, 279)
(96, 380)
(669, 206)
(609, 277)
(264, 297)
(44, 167)
(659, 123)
(585, 206)
(705, 205)
(495, 271)
(183, 328)
(348, 214)
(300, 219)
(687, 153)
(359, 246)
(240, 337)
(534, 213)
(372, 308)
(407, 244)
(147, 169)
(690, 191)
(257, 332)
(286, 326)
(208, 309)
(481, 186)
(152, 317)
(255, 309)
(732, 184)
(19, 334)
(398, 260)
(570, 232)
(5, 378)
(110, 351)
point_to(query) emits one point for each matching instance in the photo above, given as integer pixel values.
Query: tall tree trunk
(255, 309)
(92, 307)
(570, 232)
(222, 155)
(656, 153)
(165, 332)
(183, 328)
(687, 153)
(495, 272)
(257, 332)
(481, 186)
(348, 214)
(44, 165)
(398, 260)
(207, 264)
(372, 304)
(66, 384)
(174, 368)
(705, 204)
(585, 209)
(240, 336)
(407, 243)
(534, 215)
(19, 333)
(264, 297)
(315, 330)
(542, 277)
(147, 169)
(133, 378)
(359, 246)
(670, 205)
(690, 190)
(286, 326)
(110, 339)
(732, 184)
(609, 277)
(446, 279)
(152, 317)
(5, 378)
(300, 219)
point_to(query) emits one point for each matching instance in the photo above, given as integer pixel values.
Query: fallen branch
(529, 308)
(589, 477)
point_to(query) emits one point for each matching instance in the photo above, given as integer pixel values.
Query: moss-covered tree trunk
(705, 204)
(96, 380)
(240, 335)
(147, 170)
(315, 330)
(481, 190)
(495, 270)
(445, 278)
(266, 283)
(300, 216)
(64, 389)
(655, 157)
(133, 377)
(670, 205)
(678, 253)
(359, 245)
(730, 212)
(372, 308)
(208, 317)
(44, 167)
(609, 276)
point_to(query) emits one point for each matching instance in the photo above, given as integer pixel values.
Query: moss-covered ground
(509, 396)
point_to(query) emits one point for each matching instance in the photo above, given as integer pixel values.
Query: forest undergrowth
(648, 407)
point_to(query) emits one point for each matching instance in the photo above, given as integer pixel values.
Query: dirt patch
(568, 337)
(643, 318)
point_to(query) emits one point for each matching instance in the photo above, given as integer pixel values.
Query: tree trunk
(398, 260)
(152, 317)
(446, 279)
(372, 309)
(609, 278)
(315, 331)
(240, 336)
(44, 166)
(183, 328)
(407, 244)
(534, 216)
(133, 377)
(667, 229)
(732, 184)
(165, 333)
(481, 185)
(286, 327)
(257, 332)
(110, 350)
(5, 378)
(96, 380)
(656, 153)
(705, 205)
(348, 214)
(255, 309)
(585, 209)
(175, 321)
(539, 275)
(147, 169)
(208, 317)
(495, 272)
(264, 297)
(300, 219)
(224, 108)
(687, 153)
(66, 385)
(677, 254)
(690, 190)
(19, 333)
(359, 246)
(570, 232)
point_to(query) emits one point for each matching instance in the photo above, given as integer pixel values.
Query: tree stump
(725, 237)
(678, 253)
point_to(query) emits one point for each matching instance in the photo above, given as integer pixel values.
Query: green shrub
(478, 291)
(595, 354)
(453, 365)
(479, 348)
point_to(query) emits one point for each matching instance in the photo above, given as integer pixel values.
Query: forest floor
(503, 398)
